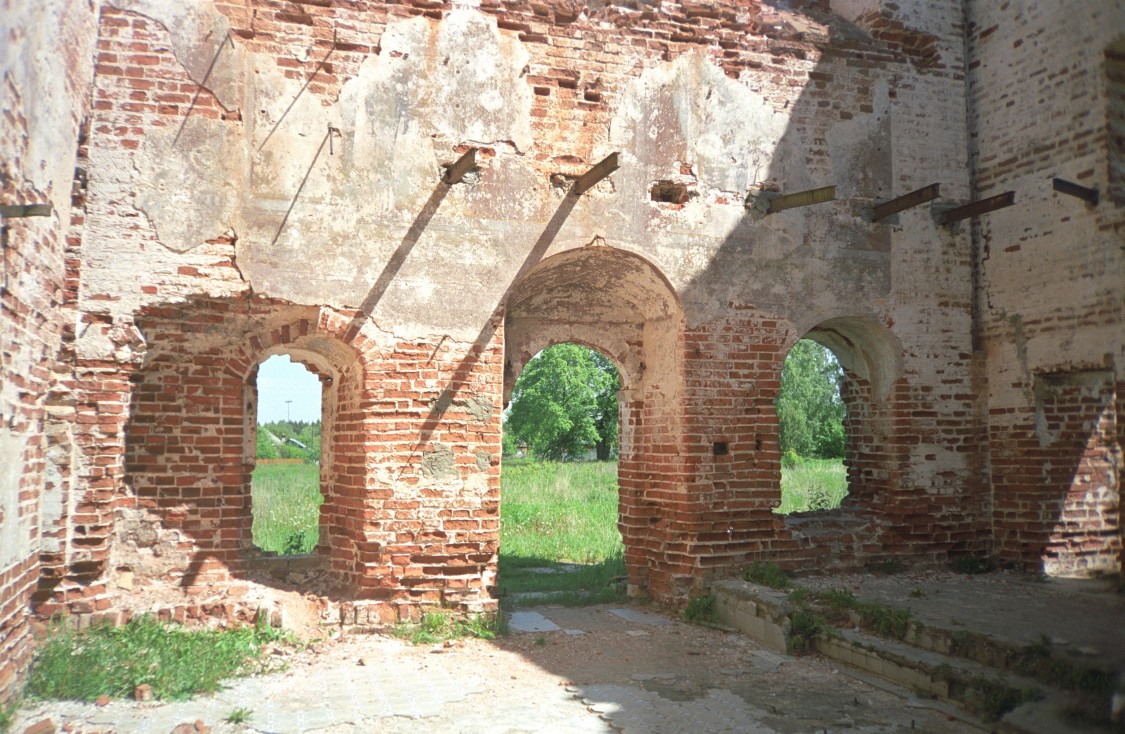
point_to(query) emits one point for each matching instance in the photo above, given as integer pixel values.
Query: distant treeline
(289, 440)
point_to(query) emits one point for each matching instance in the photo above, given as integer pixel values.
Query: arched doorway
(620, 304)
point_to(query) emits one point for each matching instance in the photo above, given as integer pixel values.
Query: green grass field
(558, 531)
(556, 516)
(814, 484)
(286, 500)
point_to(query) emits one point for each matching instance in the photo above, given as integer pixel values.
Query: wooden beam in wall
(906, 201)
(460, 167)
(1090, 196)
(976, 208)
(801, 198)
(590, 178)
(15, 211)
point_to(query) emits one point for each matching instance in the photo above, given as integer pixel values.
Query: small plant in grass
(766, 574)
(177, 662)
(438, 626)
(701, 609)
(239, 716)
(917, 593)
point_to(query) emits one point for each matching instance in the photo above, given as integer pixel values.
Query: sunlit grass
(562, 517)
(176, 662)
(286, 505)
(812, 484)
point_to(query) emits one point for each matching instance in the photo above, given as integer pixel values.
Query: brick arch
(319, 345)
(622, 305)
(871, 356)
(190, 441)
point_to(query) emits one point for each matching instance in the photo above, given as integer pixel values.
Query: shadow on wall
(821, 271)
(1057, 493)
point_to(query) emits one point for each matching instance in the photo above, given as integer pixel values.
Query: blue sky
(279, 380)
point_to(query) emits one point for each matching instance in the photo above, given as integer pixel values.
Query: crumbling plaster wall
(248, 160)
(1051, 273)
(45, 73)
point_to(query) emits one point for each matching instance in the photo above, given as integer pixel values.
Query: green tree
(267, 447)
(565, 403)
(809, 409)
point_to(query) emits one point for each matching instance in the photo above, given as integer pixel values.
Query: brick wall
(205, 250)
(43, 96)
(1051, 279)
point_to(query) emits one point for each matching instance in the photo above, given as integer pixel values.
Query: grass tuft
(701, 609)
(177, 662)
(8, 713)
(439, 626)
(239, 715)
(766, 574)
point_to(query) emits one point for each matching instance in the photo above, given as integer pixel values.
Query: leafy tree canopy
(565, 403)
(809, 408)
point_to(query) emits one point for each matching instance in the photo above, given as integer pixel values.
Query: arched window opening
(811, 416)
(559, 536)
(286, 490)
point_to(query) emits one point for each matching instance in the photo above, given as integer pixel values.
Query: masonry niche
(866, 525)
(191, 446)
(618, 303)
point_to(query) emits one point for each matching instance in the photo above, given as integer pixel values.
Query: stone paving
(596, 669)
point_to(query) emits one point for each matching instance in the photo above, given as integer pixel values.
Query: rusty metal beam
(590, 178)
(460, 167)
(976, 208)
(906, 201)
(1090, 196)
(15, 211)
(801, 198)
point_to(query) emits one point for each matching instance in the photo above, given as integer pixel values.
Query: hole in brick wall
(558, 488)
(720, 448)
(286, 492)
(812, 437)
(669, 192)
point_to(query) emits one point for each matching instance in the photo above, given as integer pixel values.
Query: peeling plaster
(16, 540)
(201, 42)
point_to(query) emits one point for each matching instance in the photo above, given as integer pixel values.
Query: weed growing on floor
(439, 626)
(804, 627)
(177, 662)
(701, 609)
(239, 716)
(893, 622)
(766, 574)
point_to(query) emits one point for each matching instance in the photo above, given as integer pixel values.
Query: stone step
(979, 688)
(983, 674)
